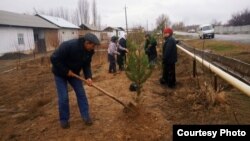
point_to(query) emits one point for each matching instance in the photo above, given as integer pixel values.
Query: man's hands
(126, 50)
(89, 82)
(71, 74)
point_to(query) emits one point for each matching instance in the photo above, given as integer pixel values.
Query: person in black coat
(169, 59)
(122, 49)
(68, 60)
(150, 48)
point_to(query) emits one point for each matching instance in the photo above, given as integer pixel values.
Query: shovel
(107, 94)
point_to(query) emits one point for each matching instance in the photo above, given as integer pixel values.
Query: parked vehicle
(191, 31)
(206, 31)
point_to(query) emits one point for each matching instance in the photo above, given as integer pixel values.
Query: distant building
(66, 30)
(114, 31)
(20, 32)
(86, 28)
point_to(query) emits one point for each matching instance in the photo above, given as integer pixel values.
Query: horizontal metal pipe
(227, 77)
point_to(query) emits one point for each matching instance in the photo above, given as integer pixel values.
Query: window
(207, 28)
(20, 39)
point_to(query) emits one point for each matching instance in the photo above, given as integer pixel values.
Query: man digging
(68, 59)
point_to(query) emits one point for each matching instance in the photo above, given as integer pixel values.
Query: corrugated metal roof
(22, 20)
(60, 22)
(89, 27)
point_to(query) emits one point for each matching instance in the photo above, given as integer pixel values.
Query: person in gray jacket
(112, 52)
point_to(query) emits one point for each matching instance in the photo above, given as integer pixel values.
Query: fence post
(194, 67)
(215, 82)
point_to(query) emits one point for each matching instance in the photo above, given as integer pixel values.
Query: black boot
(162, 81)
(65, 124)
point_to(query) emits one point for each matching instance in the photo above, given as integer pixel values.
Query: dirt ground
(29, 110)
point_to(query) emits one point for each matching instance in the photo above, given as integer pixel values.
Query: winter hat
(114, 38)
(92, 38)
(123, 35)
(168, 30)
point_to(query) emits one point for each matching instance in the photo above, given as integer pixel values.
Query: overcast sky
(141, 11)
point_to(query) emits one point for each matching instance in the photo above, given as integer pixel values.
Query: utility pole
(147, 25)
(126, 19)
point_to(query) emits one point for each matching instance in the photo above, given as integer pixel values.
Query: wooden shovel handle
(102, 90)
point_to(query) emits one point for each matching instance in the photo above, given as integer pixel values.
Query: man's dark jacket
(169, 51)
(152, 49)
(71, 55)
(122, 42)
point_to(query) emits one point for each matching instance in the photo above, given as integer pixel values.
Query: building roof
(109, 28)
(89, 27)
(60, 22)
(23, 20)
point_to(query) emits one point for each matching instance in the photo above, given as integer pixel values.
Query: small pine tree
(138, 69)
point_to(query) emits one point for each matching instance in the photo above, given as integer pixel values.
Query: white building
(114, 31)
(66, 30)
(19, 32)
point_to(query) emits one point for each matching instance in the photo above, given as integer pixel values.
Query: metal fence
(232, 29)
(237, 68)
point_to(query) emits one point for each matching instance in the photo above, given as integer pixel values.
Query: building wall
(115, 33)
(232, 29)
(67, 34)
(121, 33)
(9, 39)
(51, 39)
(110, 34)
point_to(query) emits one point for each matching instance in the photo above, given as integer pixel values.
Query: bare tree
(64, 13)
(215, 22)
(94, 13)
(75, 17)
(179, 26)
(60, 12)
(240, 18)
(162, 21)
(83, 8)
(86, 12)
(78, 16)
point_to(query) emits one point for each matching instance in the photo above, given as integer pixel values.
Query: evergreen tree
(138, 69)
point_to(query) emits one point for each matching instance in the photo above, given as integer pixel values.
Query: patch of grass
(220, 47)
(180, 37)
(225, 48)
